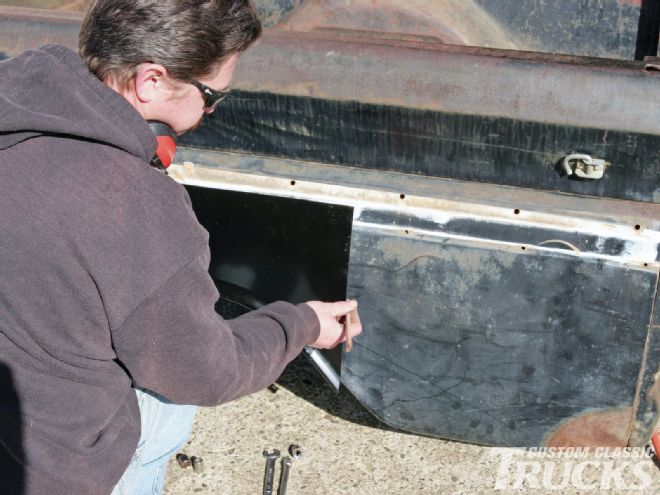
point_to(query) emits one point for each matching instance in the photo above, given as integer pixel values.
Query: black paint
(428, 143)
(490, 346)
(647, 33)
(268, 248)
(296, 250)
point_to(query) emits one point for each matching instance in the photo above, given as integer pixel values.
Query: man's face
(186, 109)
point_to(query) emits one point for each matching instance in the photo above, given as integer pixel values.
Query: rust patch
(460, 22)
(605, 428)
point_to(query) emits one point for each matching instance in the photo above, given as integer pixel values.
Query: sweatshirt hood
(50, 91)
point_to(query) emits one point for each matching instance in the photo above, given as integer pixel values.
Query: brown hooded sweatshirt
(104, 284)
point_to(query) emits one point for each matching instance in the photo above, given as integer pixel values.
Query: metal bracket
(585, 166)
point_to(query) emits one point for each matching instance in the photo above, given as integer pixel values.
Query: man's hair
(190, 38)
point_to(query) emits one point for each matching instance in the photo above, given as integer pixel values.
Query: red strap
(166, 149)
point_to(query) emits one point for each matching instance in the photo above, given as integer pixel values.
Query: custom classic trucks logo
(581, 469)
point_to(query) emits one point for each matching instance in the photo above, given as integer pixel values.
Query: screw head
(183, 460)
(197, 464)
(295, 451)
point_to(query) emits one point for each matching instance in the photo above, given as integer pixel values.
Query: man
(107, 324)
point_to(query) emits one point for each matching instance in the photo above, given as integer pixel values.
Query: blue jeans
(165, 428)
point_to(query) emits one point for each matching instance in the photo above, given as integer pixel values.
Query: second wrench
(284, 475)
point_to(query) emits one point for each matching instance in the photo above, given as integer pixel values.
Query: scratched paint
(441, 307)
(481, 344)
(464, 146)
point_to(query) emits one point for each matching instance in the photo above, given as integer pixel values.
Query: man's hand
(332, 315)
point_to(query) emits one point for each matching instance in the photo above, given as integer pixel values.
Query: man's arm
(175, 344)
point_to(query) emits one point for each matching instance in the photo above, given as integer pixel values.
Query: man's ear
(151, 83)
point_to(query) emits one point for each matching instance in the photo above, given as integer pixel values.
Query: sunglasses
(211, 96)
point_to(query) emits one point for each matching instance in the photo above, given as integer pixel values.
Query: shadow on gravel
(302, 379)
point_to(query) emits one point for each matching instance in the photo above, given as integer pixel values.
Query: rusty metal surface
(648, 393)
(607, 428)
(458, 22)
(19, 15)
(24, 28)
(368, 183)
(528, 86)
(66, 5)
(603, 28)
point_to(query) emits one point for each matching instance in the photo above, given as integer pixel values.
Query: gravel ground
(348, 451)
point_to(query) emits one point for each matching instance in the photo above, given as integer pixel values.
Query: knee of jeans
(183, 420)
(171, 433)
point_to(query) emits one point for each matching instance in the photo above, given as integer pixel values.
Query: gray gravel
(347, 451)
